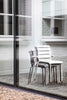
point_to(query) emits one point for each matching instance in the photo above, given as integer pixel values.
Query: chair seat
(55, 62)
(52, 61)
(42, 65)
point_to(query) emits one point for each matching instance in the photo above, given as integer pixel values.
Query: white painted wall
(36, 21)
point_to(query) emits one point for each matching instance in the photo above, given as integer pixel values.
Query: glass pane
(6, 60)
(53, 22)
(45, 78)
(25, 7)
(46, 8)
(59, 27)
(46, 21)
(59, 18)
(6, 50)
(25, 26)
(1, 25)
(10, 6)
(1, 6)
(25, 35)
(46, 27)
(10, 25)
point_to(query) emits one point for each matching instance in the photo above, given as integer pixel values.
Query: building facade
(39, 22)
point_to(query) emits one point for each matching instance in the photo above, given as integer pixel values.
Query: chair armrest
(37, 59)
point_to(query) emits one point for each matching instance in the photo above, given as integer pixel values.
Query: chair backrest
(31, 57)
(43, 52)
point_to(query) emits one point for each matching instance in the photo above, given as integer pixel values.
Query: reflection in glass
(25, 26)
(59, 27)
(1, 6)
(1, 25)
(10, 25)
(7, 25)
(24, 7)
(46, 27)
(9, 6)
(53, 17)
(6, 61)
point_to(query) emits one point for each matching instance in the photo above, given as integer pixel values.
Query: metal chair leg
(53, 70)
(30, 74)
(49, 73)
(35, 73)
(53, 74)
(56, 73)
(60, 72)
(42, 75)
(45, 77)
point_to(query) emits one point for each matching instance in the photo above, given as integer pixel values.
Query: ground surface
(59, 89)
(12, 94)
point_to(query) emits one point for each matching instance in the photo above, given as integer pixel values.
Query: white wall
(36, 21)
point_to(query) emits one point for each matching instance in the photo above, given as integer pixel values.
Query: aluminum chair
(35, 63)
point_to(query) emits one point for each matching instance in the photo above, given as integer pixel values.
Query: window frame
(51, 38)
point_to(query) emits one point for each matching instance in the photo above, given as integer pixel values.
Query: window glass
(25, 26)
(9, 6)
(6, 19)
(1, 6)
(1, 25)
(6, 43)
(53, 13)
(10, 25)
(25, 7)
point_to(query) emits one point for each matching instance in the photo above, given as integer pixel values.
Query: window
(25, 26)
(6, 17)
(24, 15)
(53, 20)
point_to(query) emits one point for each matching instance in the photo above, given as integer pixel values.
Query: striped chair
(43, 52)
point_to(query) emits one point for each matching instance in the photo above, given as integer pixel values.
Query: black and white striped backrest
(43, 52)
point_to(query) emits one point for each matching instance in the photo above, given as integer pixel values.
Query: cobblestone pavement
(12, 94)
